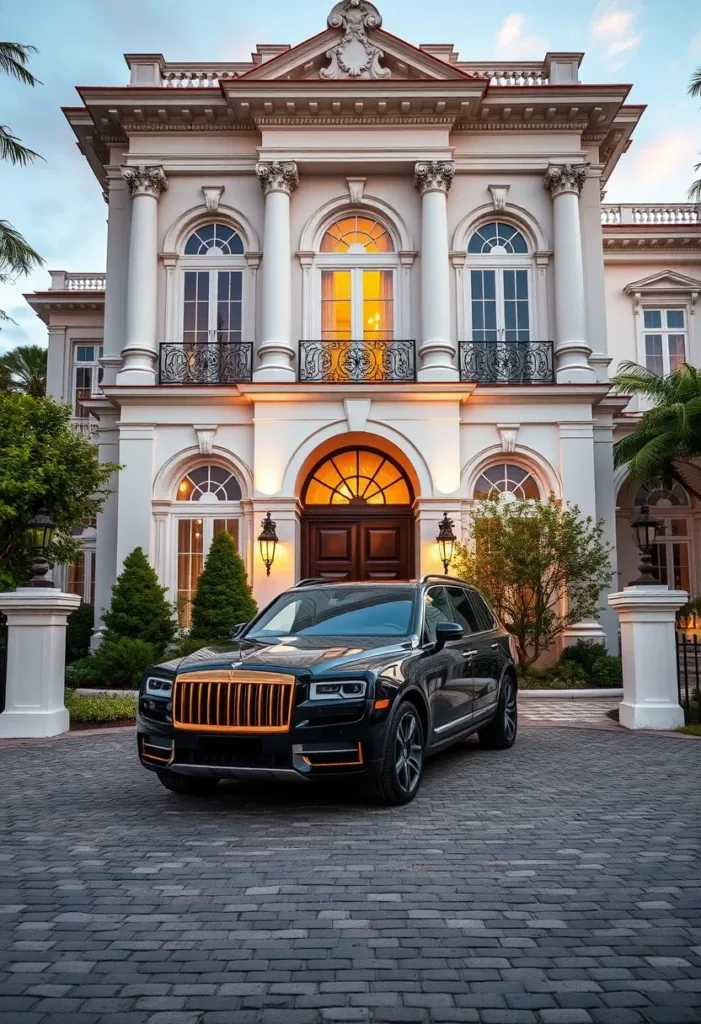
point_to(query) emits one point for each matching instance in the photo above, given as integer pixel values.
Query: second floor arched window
(212, 285)
(499, 281)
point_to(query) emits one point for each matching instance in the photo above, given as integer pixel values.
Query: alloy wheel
(408, 753)
(510, 713)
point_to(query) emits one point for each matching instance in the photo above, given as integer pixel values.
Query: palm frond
(13, 62)
(695, 83)
(16, 255)
(638, 380)
(13, 150)
(694, 193)
(23, 369)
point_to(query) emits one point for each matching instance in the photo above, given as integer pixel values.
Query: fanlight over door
(357, 476)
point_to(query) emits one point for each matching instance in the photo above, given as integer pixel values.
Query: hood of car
(295, 655)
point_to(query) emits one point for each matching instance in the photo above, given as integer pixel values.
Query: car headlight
(353, 690)
(156, 687)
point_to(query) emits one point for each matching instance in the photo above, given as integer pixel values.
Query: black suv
(358, 680)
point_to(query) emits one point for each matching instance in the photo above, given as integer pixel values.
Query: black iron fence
(204, 362)
(507, 362)
(3, 660)
(689, 676)
(357, 362)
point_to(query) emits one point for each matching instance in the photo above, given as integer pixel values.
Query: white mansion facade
(359, 284)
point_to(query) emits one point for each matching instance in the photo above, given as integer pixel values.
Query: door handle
(495, 647)
(468, 654)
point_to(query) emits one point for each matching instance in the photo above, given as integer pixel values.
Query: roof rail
(442, 579)
(310, 581)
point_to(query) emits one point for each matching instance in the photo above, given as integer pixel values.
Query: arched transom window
(671, 551)
(499, 283)
(357, 234)
(506, 480)
(663, 497)
(212, 285)
(358, 476)
(209, 483)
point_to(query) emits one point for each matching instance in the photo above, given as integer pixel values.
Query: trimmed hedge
(102, 708)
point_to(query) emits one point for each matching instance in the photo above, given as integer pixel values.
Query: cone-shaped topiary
(223, 597)
(139, 609)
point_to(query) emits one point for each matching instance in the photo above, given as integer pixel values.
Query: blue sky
(57, 203)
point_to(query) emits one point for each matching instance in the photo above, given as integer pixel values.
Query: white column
(565, 181)
(650, 693)
(606, 510)
(275, 349)
(36, 661)
(118, 229)
(107, 523)
(139, 355)
(437, 350)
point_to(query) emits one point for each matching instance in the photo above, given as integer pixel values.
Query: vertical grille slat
(249, 702)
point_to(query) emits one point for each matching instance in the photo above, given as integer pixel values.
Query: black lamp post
(446, 541)
(40, 530)
(646, 529)
(268, 542)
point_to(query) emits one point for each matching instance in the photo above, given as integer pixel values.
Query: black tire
(187, 785)
(402, 768)
(500, 734)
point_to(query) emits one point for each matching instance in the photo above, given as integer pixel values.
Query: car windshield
(339, 611)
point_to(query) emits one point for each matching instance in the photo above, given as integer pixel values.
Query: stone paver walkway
(577, 711)
(558, 883)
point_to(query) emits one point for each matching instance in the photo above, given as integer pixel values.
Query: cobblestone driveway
(555, 884)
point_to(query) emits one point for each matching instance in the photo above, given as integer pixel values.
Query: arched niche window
(671, 507)
(506, 480)
(212, 285)
(358, 268)
(357, 476)
(499, 282)
(207, 502)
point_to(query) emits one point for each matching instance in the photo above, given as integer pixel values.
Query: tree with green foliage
(669, 433)
(540, 563)
(44, 462)
(23, 369)
(223, 597)
(139, 609)
(16, 255)
(695, 90)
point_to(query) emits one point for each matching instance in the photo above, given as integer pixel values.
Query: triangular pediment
(355, 48)
(668, 281)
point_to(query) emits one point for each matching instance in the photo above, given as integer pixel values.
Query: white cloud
(614, 33)
(513, 43)
(661, 170)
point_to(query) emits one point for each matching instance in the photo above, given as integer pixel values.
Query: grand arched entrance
(357, 520)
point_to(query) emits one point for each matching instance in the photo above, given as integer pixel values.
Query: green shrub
(139, 610)
(83, 674)
(120, 663)
(223, 597)
(607, 671)
(103, 708)
(563, 676)
(78, 633)
(584, 653)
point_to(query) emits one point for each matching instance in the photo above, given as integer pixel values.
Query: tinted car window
(437, 608)
(484, 615)
(339, 611)
(464, 611)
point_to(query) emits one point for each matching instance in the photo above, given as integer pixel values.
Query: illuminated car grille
(234, 702)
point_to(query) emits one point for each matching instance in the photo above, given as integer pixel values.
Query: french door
(194, 539)
(500, 305)
(212, 306)
(357, 305)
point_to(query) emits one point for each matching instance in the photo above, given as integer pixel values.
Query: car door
(447, 672)
(490, 657)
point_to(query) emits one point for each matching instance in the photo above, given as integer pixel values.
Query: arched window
(357, 476)
(506, 480)
(662, 497)
(208, 502)
(499, 283)
(212, 285)
(357, 234)
(671, 507)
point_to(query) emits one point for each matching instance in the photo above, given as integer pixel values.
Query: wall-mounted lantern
(40, 531)
(268, 542)
(446, 541)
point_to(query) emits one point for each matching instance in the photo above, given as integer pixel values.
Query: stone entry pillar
(36, 662)
(275, 349)
(650, 693)
(437, 350)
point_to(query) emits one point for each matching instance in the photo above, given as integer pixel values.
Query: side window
(484, 615)
(464, 611)
(437, 608)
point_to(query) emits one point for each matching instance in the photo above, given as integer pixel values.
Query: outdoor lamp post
(40, 530)
(268, 542)
(446, 541)
(646, 529)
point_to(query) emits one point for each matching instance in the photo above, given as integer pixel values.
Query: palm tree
(695, 90)
(23, 369)
(16, 255)
(669, 433)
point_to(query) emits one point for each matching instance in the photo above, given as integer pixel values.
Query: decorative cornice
(342, 119)
(355, 56)
(158, 127)
(145, 181)
(434, 176)
(278, 177)
(564, 179)
(520, 126)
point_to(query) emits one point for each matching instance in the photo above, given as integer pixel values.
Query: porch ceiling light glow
(446, 541)
(646, 530)
(267, 540)
(40, 533)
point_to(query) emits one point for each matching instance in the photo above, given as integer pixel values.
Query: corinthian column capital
(434, 176)
(278, 177)
(563, 178)
(145, 181)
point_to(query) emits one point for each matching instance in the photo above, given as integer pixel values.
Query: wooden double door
(362, 545)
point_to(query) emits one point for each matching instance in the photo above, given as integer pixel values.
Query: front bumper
(304, 753)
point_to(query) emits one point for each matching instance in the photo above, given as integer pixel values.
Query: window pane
(378, 306)
(653, 353)
(464, 612)
(675, 319)
(229, 291)
(230, 526)
(437, 608)
(676, 351)
(190, 564)
(484, 310)
(659, 562)
(652, 319)
(336, 304)
(85, 354)
(75, 577)
(196, 306)
(680, 557)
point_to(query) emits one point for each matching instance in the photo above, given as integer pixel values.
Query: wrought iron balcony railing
(357, 362)
(507, 362)
(207, 362)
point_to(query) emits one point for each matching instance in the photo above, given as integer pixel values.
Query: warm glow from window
(357, 234)
(358, 477)
(506, 480)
